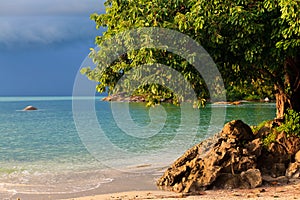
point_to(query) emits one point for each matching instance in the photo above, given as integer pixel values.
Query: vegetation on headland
(250, 41)
(250, 92)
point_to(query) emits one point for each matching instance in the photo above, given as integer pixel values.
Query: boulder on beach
(234, 158)
(229, 161)
(29, 108)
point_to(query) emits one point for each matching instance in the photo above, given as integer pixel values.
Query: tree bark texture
(288, 94)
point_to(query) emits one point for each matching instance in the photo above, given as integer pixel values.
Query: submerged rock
(29, 108)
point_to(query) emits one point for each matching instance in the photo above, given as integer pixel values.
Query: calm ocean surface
(44, 147)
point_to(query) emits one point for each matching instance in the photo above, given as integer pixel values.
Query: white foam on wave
(51, 183)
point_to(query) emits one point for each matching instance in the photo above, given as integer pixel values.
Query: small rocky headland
(237, 157)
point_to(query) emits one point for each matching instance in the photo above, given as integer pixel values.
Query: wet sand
(121, 182)
(142, 186)
(291, 191)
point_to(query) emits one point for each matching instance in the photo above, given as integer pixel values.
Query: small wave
(43, 184)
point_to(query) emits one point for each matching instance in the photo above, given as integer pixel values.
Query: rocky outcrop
(29, 108)
(123, 97)
(229, 102)
(229, 162)
(234, 158)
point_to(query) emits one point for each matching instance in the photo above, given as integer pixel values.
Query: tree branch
(272, 76)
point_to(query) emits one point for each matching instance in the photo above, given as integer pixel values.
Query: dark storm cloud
(49, 7)
(26, 23)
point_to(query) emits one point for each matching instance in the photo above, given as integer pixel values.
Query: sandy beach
(142, 186)
(121, 182)
(291, 191)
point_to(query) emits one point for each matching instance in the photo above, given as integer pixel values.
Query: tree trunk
(282, 103)
(288, 94)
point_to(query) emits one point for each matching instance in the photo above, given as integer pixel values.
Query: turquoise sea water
(44, 147)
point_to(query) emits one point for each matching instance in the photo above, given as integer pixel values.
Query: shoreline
(127, 186)
(121, 182)
(289, 191)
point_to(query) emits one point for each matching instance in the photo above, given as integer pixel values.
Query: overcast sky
(42, 44)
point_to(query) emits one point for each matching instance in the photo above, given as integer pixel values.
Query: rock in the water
(124, 97)
(266, 99)
(235, 103)
(30, 108)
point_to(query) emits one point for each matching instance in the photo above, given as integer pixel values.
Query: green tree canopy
(248, 40)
